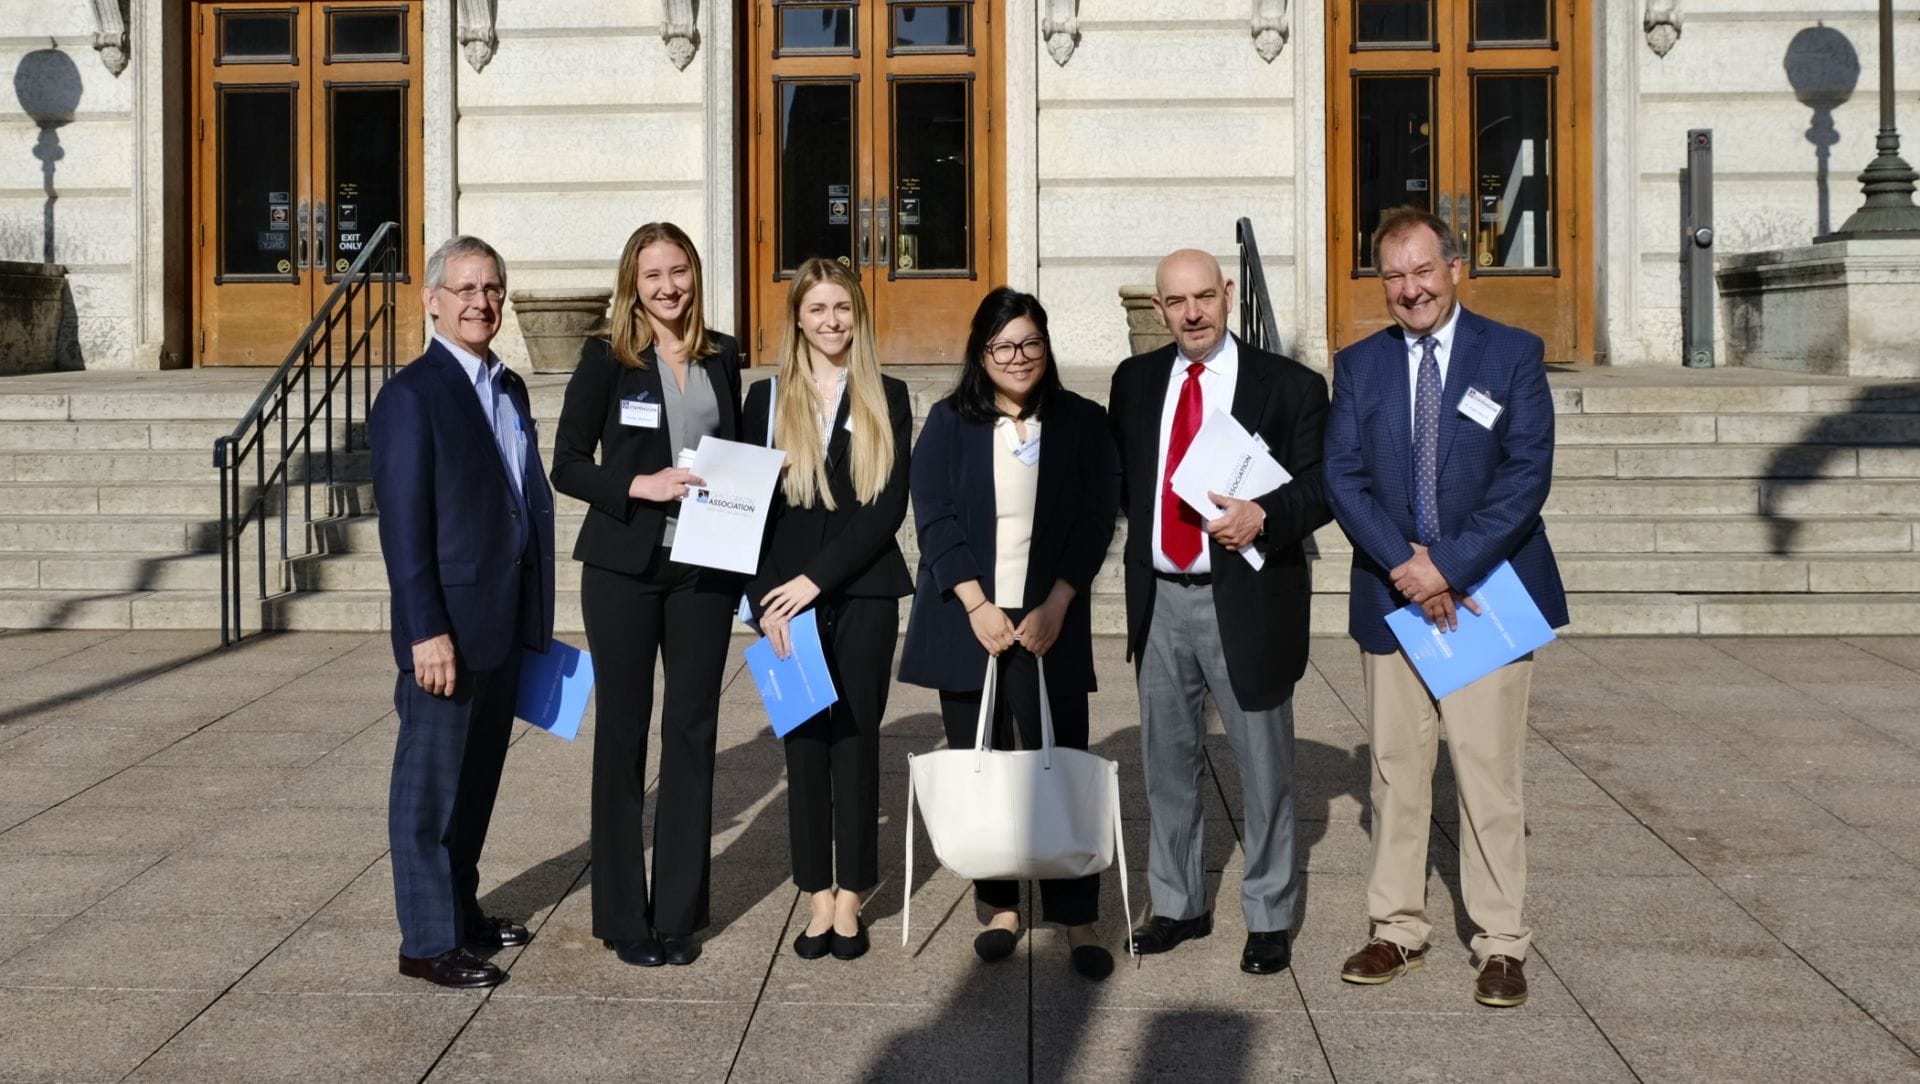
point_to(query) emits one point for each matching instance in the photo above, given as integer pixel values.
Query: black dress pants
(685, 614)
(1073, 901)
(833, 759)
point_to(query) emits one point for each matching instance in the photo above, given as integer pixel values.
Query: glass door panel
(259, 132)
(1513, 166)
(932, 177)
(1506, 22)
(816, 172)
(1393, 24)
(367, 171)
(1393, 151)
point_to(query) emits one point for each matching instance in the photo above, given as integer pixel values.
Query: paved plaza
(1725, 853)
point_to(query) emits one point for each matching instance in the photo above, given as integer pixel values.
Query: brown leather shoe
(1501, 983)
(1381, 961)
(459, 969)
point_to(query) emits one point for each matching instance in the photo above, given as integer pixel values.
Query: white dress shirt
(1442, 353)
(1217, 383)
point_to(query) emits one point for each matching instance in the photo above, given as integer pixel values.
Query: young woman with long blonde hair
(831, 546)
(657, 383)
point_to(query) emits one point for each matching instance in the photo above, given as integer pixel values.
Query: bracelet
(977, 605)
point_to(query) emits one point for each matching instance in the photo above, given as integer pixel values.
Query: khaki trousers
(1486, 729)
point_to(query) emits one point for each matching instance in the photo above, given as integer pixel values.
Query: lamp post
(1888, 180)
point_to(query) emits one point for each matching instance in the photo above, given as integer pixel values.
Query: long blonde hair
(629, 330)
(797, 413)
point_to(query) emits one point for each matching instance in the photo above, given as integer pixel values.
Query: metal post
(1888, 179)
(1696, 246)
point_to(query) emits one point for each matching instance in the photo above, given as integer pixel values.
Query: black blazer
(953, 514)
(1263, 615)
(851, 551)
(621, 532)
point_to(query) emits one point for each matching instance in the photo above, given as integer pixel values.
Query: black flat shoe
(812, 946)
(1159, 934)
(1267, 953)
(638, 951)
(995, 944)
(849, 948)
(679, 949)
(1092, 962)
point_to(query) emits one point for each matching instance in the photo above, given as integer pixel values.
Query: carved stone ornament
(1662, 25)
(1269, 28)
(477, 38)
(1060, 26)
(110, 33)
(677, 29)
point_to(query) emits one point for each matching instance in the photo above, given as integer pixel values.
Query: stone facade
(1167, 120)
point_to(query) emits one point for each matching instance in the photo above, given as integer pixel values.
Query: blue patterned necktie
(1426, 441)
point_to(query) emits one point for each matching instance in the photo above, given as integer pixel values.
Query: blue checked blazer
(1492, 482)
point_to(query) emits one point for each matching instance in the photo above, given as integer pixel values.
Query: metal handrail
(1257, 325)
(378, 262)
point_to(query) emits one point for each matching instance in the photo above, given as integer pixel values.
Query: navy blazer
(954, 519)
(445, 508)
(621, 532)
(1492, 482)
(1263, 615)
(851, 551)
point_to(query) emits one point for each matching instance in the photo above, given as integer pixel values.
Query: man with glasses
(466, 530)
(1202, 620)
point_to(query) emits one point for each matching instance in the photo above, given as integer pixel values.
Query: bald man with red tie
(1201, 620)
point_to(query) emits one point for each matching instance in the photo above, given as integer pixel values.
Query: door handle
(865, 247)
(1468, 211)
(1443, 209)
(304, 238)
(321, 250)
(883, 252)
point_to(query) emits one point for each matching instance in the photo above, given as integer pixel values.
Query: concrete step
(1594, 614)
(132, 571)
(170, 498)
(1757, 461)
(194, 465)
(1644, 497)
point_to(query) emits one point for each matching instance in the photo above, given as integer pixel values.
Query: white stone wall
(1162, 129)
(46, 51)
(580, 130)
(1729, 72)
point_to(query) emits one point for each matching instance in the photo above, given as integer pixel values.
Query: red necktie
(1181, 532)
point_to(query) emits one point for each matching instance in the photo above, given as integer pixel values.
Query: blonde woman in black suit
(831, 546)
(651, 389)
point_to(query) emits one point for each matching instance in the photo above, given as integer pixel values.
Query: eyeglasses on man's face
(1003, 353)
(493, 295)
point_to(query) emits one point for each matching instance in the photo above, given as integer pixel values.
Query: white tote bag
(1003, 815)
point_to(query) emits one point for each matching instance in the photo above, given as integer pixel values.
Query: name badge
(1028, 451)
(1479, 406)
(639, 412)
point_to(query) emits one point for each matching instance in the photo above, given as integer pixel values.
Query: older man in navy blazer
(466, 529)
(1439, 455)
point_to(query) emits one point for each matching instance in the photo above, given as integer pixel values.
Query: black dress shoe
(1266, 953)
(1159, 934)
(679, 949)
(638, 951)
(498, 933)
(812, 946)
(850, 948)
(457, 968)
(995, 944)
(1092, 962)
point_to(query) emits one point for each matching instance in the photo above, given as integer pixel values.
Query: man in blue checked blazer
(1438, 459)
(466, 530)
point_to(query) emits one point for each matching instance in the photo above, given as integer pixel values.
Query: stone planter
(1145, 332)
(555, 323)
(30, 302)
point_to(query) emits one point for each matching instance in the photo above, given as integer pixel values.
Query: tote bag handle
(989, 693)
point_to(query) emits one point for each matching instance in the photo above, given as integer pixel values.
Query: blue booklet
(554, 686)
(1508, 626)
(796, 688)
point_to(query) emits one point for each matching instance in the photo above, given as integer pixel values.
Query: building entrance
(306, 129)
(872, 144)
(1476, 110)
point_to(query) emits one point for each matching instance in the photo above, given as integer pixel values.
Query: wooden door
(871, 145)
(1476, 110)
(307, 136)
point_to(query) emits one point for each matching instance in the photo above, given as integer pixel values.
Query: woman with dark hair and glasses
(1015, 484)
